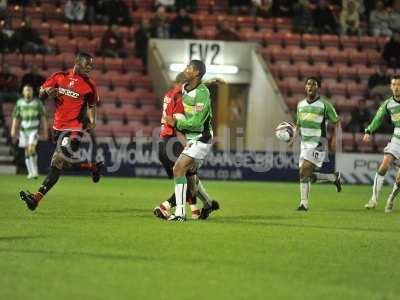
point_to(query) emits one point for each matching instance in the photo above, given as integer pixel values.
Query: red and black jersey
(75, 93)
(173, 104)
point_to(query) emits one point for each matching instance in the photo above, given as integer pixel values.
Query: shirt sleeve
(202, 112)
(93, 97)
(16, 114)
(377, 120)
(331, 113)
(42, 110)
(51, 81)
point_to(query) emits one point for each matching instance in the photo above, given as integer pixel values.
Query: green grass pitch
(102, 241)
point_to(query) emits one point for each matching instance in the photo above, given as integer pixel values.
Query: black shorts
(169, 150)
(67, 142)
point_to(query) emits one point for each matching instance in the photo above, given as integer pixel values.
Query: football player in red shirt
(170, 147)
(76, 99)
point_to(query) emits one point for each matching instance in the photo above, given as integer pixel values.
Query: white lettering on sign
(209, 52)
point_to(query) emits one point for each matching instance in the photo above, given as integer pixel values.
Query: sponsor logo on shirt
(68, 93)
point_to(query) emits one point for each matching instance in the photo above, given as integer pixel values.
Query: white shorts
(28, 138)
(197, 150)
(312, 155)
(393, 149)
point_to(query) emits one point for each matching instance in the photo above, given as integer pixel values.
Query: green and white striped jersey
(390, 107)
(29, 113)
(312, 121)
(198, 113)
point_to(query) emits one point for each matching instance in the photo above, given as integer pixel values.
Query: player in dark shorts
(76, 100)
(170, 147)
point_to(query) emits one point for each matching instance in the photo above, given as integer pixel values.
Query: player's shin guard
(180, 196)
(376, 188)
(304, 191)
(48, 183)
(321, 177)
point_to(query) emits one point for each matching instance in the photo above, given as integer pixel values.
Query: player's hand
(46, 136)
(366, 138)
(170, 120)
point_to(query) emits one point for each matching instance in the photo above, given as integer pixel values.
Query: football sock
(322, 177)
(202, 193)
(165, 205)
(33, 163)
(395, 191)
(304, 191)
(195, 211)
(82, 166)
(180, 196)
(28, 165)
(49, 181)
(376, 188)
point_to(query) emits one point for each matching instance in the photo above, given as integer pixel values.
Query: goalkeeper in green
(198, 132)
(389, 108)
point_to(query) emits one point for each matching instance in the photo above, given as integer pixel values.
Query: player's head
(395, 86)
(195, 70)
(312, 86)
(83, 63)
(27, 91)
(181, 78)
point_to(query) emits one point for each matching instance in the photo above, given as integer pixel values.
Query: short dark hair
(81, 55)
(315, 78)
(395, 77)
(199, 66)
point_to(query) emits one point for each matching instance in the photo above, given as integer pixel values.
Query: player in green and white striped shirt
(389, 108)
(313, 114)
(27, 115)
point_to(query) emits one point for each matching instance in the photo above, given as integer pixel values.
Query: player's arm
(48, 92)
(333, 117)
(196, 122)
(16, 120)
(215, 80)
(92, 101)
(376, 122)
(181, 138)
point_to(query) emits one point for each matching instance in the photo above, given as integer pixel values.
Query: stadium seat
(316, 55)
(308, 40)
(329, 40)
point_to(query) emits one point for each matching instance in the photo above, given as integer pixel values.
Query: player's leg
(181, 166)
(379, 179)
(327, 177)
(305, 171)
(191, 194)
(395, 191)
(28, 163)
(23, 143)
(209, 205)
(33, 159)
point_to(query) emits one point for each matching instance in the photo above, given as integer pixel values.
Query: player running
(391, 154)
(170, 147)
(313, 114)
(198, 133)
(76, 99)
(27, 115)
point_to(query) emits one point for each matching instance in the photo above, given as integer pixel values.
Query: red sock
(38, 196)
(87, 166)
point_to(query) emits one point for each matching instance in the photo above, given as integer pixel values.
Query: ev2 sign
(210, 52)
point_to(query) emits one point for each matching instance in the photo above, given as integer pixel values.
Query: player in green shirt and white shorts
(27, 115)
(313, 114)
(198, 132)
(389, 108)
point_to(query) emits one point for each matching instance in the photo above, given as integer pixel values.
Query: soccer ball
(285, 132)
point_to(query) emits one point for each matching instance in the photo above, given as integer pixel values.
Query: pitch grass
(101, 241)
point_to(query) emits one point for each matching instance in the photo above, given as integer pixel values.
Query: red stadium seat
(311, 40)
(330, 40)
(347, 41)
(317, 55)
(292, 39)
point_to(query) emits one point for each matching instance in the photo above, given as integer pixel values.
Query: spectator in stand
(379, 20)
(241, 7)
(282, 8)
(378, 83)
(391, 52)
(226, 33)
(75, 10)
(302, 17)
(112, 43)
(113, 12)
(34, 79)
(188, 5)
(28, 39)
(360, 117)
(159, 24)
(262, 8)
(324, 19)
(8, 85)
(141, 37)
(169, 5)
(350, 19)
(7, 38)
(3, 8)
(182, 26)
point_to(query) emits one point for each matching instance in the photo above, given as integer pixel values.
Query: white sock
(28, 165)
(33, 162)
(304, 192)
(376, 188)
(180, 196)
(202, 193)
(394, 193)
(322, 177)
